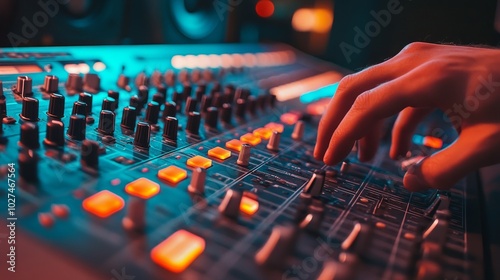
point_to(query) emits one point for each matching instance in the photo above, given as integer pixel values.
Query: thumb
(445, 168)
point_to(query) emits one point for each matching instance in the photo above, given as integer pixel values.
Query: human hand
(464, 82)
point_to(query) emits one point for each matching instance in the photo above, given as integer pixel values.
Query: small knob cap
(206, 102)
(212, 117)
(141, 80)
(252, 105)
(50, 84)
(198, 179)
(129, 118)
(90, 154)
(91, 83)
(170, 129)
(115, 95)
(218, 100)
(74, 84)
(191, 104)
(77, 127)
(79, 108)
(344, 167)
(106, 122)
(241, 106)
(274, 142)
(159, 98)
(142, 136)
(242, 93)
(134, 102)
(226, 113)
(193, 123)
(186, 91)
(230, 205)
(135, 219)
(109, 104)
(87, 99)
(315, 185)
(262, 102)
(123, 82)
(29, 137)
(54, 134)
(278, 247)
(178, 100)
(200, 92)
(143, 95)
(30, 109)
(271, 100)
(56, 106)
(169, 110)
(298, 130)
(28, 166)
(244, 156)
(24, 86)
(152, 113)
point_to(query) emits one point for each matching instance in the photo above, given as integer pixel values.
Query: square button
(103, 204)
(275, 126)
(172, 174)
(264, 133)
(199, 161)
(250, 139)
(234, 145)
(178, 251)
(219, 153)
(249, 205)
(143, 188)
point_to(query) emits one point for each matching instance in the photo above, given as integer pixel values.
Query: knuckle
(362, 102)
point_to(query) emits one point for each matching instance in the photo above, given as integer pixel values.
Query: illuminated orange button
(103, 204)
(290, 118)
(433, 142)
(143, 188)
(219, 153)
(178, 251)
(264, 133)
(199, 161)
(275, 126)
(250, 139)
(234, 145)
(172, 174)
(249, 205)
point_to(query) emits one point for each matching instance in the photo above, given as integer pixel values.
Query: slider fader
(195, 162)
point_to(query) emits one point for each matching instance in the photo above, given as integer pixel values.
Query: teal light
(326, 91)
(418, 139)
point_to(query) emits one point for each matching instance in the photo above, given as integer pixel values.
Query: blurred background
(353, 34)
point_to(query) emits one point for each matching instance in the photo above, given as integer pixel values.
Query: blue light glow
(324, 92)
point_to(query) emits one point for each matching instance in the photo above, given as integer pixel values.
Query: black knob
(186, 91)
(129, 118)
(109, 104)
(159, 98)
(241, 106)
(79, 108)
(142, 80)
(241, 93)
(217, 87)
(29, 137)
(28, 166)
(91, 83)
(191, 104)
(74, 84)
(200, 91)
(152, 113)
(251, 105)
(30, 109)
(178, 100)
(193, 123)
(315, 185)
(226, 113)
(162, 89)
(77, 127)
(116, 96)
(50, 84)
(24, 86)
(156, 78)
(212, 117)
(87, 99)
(142, 135)
(106, 122)
(218, 100)
(56, 106)
(54, 134)
(170, 110)
(89, 156)
(206, 101)
(123, 82)
(134, 102)
(170, 129)
(262, 102)
(229, 93)
(271, 99)
(143, 95)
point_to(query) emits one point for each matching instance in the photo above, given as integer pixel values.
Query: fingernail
(414, 180)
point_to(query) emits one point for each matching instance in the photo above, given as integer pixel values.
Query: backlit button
(249, 205)
(103, 204)
(264, 133)
(275, 126)
(172, 174)
(234, 145)
(250, 139)
(219, 153)
(199, 161)
(178, 251)
(143, 188)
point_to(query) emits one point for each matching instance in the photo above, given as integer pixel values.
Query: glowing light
(312, 20)
(264, 8)
(298, 88)
(191, 61)
(178, 61)
(99, 66)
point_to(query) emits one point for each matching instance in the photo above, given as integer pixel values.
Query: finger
(404, 127)
(349, 88)
(472, 150)
(368, 145)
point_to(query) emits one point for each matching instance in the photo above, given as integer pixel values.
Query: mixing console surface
(195, 162)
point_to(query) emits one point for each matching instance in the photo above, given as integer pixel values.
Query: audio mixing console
(194, 162)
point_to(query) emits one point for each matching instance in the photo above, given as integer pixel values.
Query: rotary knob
(170, 129)
(24, 86)
(56, 106)
(74, 84)
(30, 109)
(50, 84)
(54, 134)
(142, 136)
(91, 83)
(87, 99)
(129, 118)
(193, 123)
(106, 122)
(79, 108)
(169, 110)
(212, 117)
(152, 113)
(77, 127)
(89, 154)
(29, 137)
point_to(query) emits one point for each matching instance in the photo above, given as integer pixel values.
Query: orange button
(172, 174)
(250, 139)
(143, 188)
(264, 133)
(219, 153)
(199, 161)
(433, 142)
(103, 204)
(249, 205)
(178, 251)
(234, 145)
(275, 126)
(290, 118)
